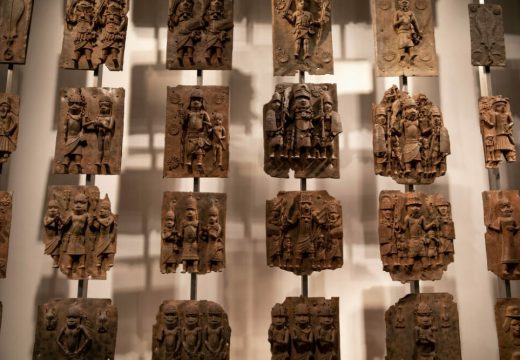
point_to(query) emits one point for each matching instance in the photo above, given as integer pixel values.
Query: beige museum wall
(248, 288)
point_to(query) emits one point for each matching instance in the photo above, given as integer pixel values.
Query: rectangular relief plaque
(6, 210)
(15, 22)
(487, 35)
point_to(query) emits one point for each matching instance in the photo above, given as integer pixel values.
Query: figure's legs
(306, 49)
(190, 55)
(75, 167)
(419, 167)
(208, 55)
(75, 59)
(180, 56)
(108, 261)
(88, 56)
(184, 266)
(219, 52)
(104, 55)
(56, 261)
(510, 155)
(195, 266)
(297, 49)
(115, 57)
(407, 168)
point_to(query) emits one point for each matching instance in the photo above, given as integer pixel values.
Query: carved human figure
(407, 29)
(425, 341)
(279, 336)
(439, 143)
(302, 336)
(104, 225)
(326, 334)
(304, 218)
(104, 126)
(50, 317)
(409, 125)
(380, 146)
(508, 234)
(387, 240)
(489, 135)
(8, 128)
(215, 35)
(504, 130)
(275, 233)
(191, 333)
(168, 337)
(197, 128)
(74, 139)
(219, 139)
(81, 18)
(304, 29)
(446, 232)
(181, 15)
(190, 233)
(287, 252)
(112, 18)
(303, 116)
(327, 129)
(75, 226)
(74, 339)
(102, 321)
(170, 255)
(53, 224)
(275, 127)
(215, 334)
(333, 229)
(215, 244)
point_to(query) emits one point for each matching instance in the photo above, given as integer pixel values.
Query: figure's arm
(58, 341)
(86, 343)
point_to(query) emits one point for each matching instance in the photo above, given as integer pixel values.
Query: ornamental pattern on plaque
(410, 142)
(200, 35)
(90, 131)
(507, 319)
(301, 131)
(80, 231)
(193, 232)
(423, 326)
(69, 329)
(302, 37)
(416, 234)
(305, 328)
(9, 124)
(487, 35)
(15, 22)
(405, 41)
(191, 330)
(496, 127)
(197, 132)
(502, 219)
(304, 232)
(6, 209)
(94, 34)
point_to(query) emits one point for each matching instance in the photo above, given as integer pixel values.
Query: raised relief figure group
(80, 232)
(416, 234)
(304, 232)
(410, 141)
(301, 128)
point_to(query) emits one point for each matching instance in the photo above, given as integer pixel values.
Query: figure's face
(333, 216)
(170, 222)
(410, 112)
(276, 105)
(190, 214)
(387, 214)
(196, 104)
(404, 5)
(52, 211)
(414, 210)
(326, 320)
(424, 320)
(192, 319)
(80, 206)
(171, 318)
(186, 5)
(219, 121)
(500, 107)
(213, 219)
(506, 210)
(73, 322)
(75, 107)
(279, 320)
(306, 207)
(214, 319)
(303, 102)
(381, 119)
(300, 5)
(5, 108)
(105, 107)
(443, 210)
(515, 328)
(302, 319)
(327, 107)
(104, 211)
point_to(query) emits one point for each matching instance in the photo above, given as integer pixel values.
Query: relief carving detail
(15, 21)
(487, 35)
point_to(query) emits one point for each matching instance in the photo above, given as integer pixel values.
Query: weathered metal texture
(507, 318)
(487, 35)
(9, 124)
(15, 22)
(6, 209)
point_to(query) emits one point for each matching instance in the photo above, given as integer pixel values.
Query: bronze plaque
(193, 232)
(80, 231)
(200, 35)
(302, 37)
(301, 128)
(502, 219)
(305, 328)
(405, 41)
(496, 127)
(89, 139)
(304, 232)
(507, 317)
(487, 35)
(416, 234)
(9, 121)
(423, 326)
(15, 21)
(197, 132)
(410, 142)
(94, 34)
(74, 329)
(6, 209)
(191, 330)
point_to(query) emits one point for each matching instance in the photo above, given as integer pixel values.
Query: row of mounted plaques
(419, 326)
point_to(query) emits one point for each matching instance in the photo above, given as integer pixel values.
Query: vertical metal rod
(303, 184)
(403, 83)
(409, 188)
(507, 284)
(415, 287)
(305, 285)
(200, 78)
(193, 287)
(9, 80)
(82, 289)
(301, 77)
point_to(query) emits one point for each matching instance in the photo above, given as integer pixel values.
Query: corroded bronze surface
(191, 330)
(416, 234)
(80, 231)
(6, 208)
(69, 329)
(423, 326)
(90, 131)
(15, 21)
(301, 128)
(9, 121)
(487, 35)
(305, 328)
(197, 132)
(410, 142)
(200, 35)
(302, 37)
(94, 34)
(405, 41)
(507, 317)
(193, 232)
(496, 127)
(304, 232)
(502, 219)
